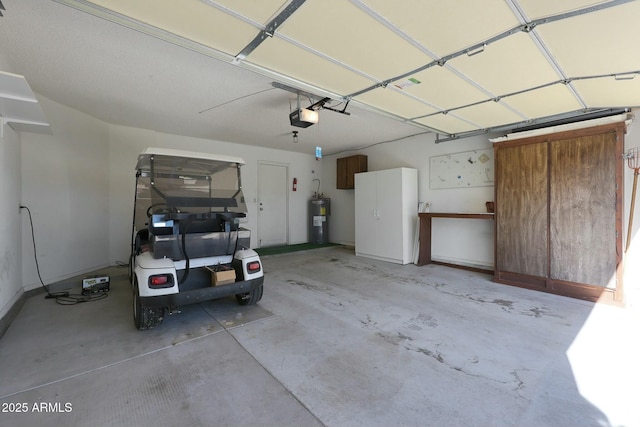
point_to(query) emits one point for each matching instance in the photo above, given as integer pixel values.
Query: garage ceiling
(453, 68)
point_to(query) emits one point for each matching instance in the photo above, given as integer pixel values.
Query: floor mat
(273, 250)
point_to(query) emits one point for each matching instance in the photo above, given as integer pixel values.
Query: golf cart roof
(145, 164)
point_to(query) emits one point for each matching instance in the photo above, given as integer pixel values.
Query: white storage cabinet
(386, 207)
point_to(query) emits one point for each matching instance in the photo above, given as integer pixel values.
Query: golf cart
(187, 244)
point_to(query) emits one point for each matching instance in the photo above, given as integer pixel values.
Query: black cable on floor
(63, 298)
(72, 299)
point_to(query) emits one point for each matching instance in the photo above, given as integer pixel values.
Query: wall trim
(15, 308)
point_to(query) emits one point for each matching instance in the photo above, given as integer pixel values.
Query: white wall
(65, 185)
(466, 242)
(11, 241)
(126, 143)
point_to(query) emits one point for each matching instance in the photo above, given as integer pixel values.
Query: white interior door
(273, 220)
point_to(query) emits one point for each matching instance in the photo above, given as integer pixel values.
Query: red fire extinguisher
(295, 184)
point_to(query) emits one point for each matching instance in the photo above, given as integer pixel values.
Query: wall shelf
(19, 106)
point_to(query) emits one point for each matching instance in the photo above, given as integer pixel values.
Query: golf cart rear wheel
(144, 317)
(250, 298)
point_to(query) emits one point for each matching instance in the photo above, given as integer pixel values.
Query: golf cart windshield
(184, 182)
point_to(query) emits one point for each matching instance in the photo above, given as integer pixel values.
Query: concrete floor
(337, 340)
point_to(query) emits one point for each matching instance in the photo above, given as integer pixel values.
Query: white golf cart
(187, 244)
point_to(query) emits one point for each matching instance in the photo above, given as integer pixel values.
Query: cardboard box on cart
(222, 275)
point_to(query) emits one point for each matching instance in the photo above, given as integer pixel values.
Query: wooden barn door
(559, 212)
(521, 220)
(583, 210)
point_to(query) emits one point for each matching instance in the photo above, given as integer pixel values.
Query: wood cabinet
(386, 208)
(347, 167)
(559, 212)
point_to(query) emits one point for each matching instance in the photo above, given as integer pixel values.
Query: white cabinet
(386, 208)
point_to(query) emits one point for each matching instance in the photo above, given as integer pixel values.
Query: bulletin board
(461, 170)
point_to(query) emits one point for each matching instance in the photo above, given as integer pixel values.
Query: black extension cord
(63, 298)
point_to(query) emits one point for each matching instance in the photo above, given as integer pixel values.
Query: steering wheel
(153, 206)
